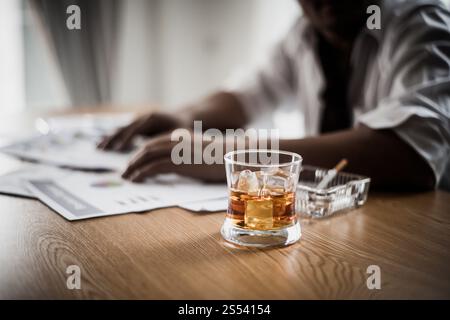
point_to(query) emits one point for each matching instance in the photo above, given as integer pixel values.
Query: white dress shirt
(400, 78)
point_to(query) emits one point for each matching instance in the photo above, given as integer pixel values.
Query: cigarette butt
(331, 174)
(341, 165)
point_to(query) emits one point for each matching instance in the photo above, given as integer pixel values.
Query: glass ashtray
(345, 191)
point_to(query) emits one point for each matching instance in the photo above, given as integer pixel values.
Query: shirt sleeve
(262, 88)
(415, 67)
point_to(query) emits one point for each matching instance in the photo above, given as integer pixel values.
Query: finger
(153, 144)
(156, 167)
(104, 142)
(129, 134)
(108, 142)
(122, 138)
(148, 154)
(125, 141)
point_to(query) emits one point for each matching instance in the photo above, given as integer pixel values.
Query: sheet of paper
(93, 124)
(70, 141)
(69, 149)
(97, 191)
(86, 195)
(15, 182)
(206, 205)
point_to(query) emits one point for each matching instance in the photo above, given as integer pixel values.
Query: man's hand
(151, 124)
(155, 157)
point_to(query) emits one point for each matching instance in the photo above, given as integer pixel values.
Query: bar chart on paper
(86, 195)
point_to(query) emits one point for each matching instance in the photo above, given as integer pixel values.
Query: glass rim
(227, 158)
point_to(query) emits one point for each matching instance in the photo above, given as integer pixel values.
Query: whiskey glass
(261, 204)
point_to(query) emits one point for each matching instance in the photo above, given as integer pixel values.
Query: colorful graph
(106, 184)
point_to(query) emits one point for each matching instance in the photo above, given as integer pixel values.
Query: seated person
(379, 98)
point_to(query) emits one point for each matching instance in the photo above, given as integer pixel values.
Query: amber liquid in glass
(272, 210)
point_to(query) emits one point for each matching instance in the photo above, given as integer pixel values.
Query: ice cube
(259, 214)
(234, 179)
(275, 184)
(289, 183)
(264, 192)
(270, 171)
(248, 182)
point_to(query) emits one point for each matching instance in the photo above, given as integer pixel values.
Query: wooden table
(176, 254)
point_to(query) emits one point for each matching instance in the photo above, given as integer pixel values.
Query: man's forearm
(379, 154)
(221, 110)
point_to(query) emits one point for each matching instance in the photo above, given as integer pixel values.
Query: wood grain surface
(176, 254)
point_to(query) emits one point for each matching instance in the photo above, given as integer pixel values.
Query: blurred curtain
(86, 56)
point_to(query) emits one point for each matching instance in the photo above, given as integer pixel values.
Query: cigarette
(331, 174)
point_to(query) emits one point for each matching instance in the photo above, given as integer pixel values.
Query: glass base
(260, 238)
